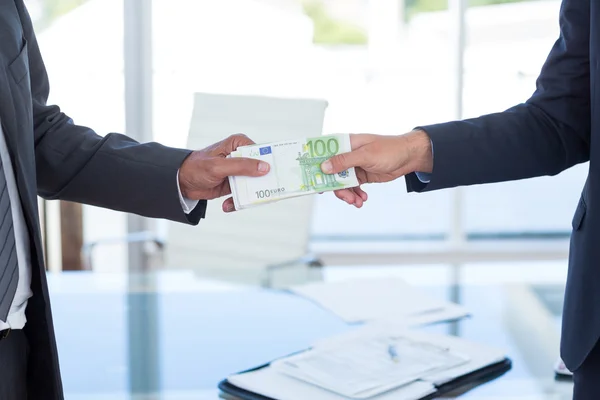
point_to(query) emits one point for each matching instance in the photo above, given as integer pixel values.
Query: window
(81, 42)
(384, 66)
(507, 46)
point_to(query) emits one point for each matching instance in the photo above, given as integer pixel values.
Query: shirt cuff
(422, 176)
(186, 204)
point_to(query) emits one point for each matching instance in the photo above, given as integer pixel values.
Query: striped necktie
(9, 270)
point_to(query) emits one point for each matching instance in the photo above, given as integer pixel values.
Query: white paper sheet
(361, 300)
(369, 366)
(480, 355)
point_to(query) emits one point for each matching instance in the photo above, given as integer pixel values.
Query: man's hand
(204, 174)
(379, 159)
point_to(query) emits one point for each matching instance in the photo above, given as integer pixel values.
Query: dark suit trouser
(13, 366)
(587, 377)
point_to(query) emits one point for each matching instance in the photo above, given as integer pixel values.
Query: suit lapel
(11, 43)
(8, 116)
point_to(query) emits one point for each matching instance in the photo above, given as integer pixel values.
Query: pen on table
(393, 353)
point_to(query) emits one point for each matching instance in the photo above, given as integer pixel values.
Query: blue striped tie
(9, 270)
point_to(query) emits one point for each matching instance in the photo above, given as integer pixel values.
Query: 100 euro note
(295, 170)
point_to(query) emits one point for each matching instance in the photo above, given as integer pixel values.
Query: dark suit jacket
(57, 159)
(558, 127)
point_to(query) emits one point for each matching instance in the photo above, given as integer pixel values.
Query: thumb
(343, 161)
(239, 166)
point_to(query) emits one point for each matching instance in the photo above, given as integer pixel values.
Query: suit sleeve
(74, 163)
(547, 134)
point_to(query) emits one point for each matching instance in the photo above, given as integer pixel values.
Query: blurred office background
(383, 66)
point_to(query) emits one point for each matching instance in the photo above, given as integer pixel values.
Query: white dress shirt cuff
(186, 204)
(423, 176)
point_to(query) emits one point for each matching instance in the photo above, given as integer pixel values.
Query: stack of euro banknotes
(295, 170)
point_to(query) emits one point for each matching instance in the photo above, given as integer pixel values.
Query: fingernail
(327, 167)
(263, 166)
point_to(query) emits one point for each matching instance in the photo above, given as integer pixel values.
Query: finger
(228, 205)
(225, 188)
(363, 195)
(346, 195)
(353, 196)
(358, 200)
(358, 140)
(343, 161)
(224, 167)
(233, 142)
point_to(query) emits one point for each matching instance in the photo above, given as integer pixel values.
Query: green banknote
(295, 170)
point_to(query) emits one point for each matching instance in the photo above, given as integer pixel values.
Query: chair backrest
(240, 246)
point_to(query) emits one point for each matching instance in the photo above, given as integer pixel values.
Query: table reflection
(174, 336)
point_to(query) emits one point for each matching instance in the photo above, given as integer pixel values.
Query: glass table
(173, 336)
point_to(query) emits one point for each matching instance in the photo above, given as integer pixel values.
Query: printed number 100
(318, 148)
(261, 194)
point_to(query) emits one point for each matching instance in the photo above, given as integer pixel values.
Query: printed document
(369, 366)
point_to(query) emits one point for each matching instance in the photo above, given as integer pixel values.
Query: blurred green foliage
(418, 6)
(328, 30)
(332, 31)
(53, 9)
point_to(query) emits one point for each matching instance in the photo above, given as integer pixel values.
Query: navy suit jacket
(558, 127)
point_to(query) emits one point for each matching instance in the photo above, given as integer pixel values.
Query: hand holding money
(295, 170)
(204, 173)
(379, 159)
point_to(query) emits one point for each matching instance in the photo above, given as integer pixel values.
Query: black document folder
(456, 386)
